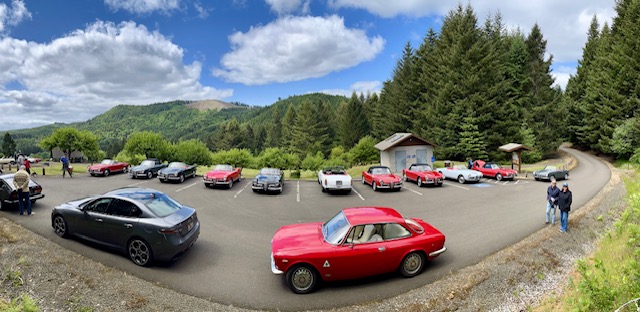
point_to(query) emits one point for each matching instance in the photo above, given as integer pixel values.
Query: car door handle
(99, 220)
(128, 225)
(381, 249)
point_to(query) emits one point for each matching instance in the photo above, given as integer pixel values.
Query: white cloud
(203, 12)
(562, 75)
(143, 6)
(295, 48)
(563, 23)
(11, 16)
(364, 87)
(283, 7)
(88, 71)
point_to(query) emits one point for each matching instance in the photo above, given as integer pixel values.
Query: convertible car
(147, 168)
(222, 175)
(108, 166)
(380, 177)
(144, 223)
(9, 194)
(551, 173)
(334, 179)
(422, 174)
(177, 171)
(460, 173)
(268, 180)
(355, 243)
(493, 170)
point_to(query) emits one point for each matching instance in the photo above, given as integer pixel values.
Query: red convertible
(107, 167)
(423, 174)
(493, 170)
(355, 243)
(380, 177)
(222, 175)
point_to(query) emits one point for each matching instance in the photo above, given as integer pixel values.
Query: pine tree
(274, 130)
(307, 134)
(471, 144)
(8, 145)
(353, 123)
(287, 125)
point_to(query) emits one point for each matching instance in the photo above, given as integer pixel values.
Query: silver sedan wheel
(301, 279)
(139, 252)
(412, 264)
(461, 179)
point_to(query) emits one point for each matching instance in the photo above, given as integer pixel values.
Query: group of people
(24, 161)
(561, 199)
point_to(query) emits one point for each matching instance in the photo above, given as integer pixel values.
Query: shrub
(313, 163)
(364, 153)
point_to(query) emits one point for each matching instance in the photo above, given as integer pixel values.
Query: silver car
(146, 224)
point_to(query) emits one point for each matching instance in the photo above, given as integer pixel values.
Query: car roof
(7, 176)
(374, 167)
(131, 190)
(369, 215)
(421, 164)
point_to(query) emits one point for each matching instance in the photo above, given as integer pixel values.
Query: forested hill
(177, 120)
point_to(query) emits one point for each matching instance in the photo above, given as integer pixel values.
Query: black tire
(537, 179)
(106, 173)
(231, 183)
(125, 169)
(149, 174)
(93, 175)
(140, 252)
(302, 279)
(181, 178)
(60, 226)
(404, 176)
(499, 177)
(440, 184)
(2, 204)
(419, 182)
(374, 185)
(207, 185)
(363, 181)
(254, 190)
(412, 264)
(566, 176)
(461, 179)
(33, 201)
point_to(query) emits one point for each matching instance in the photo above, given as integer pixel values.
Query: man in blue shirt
(65, 166)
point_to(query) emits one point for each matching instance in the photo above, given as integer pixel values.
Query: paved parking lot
(230, 261)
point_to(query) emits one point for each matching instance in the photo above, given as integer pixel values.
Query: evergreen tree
(274, 129)
(307, 134)
(471, 143)
(353, 123)
(326, 126)
(8, 145)
(287, 125)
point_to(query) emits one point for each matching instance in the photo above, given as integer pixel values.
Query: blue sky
(65, 61)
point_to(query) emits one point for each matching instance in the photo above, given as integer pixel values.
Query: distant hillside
(210, 105)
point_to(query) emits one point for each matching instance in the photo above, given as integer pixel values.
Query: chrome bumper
(438, 252)
(275, 270)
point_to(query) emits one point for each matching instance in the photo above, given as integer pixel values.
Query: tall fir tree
(274, 129)
(353, 123)
(287, 127)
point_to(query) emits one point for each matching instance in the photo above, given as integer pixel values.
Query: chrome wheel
(566, 176)
(412, 264)
(139, 252)
(181, 178)
(60, 226)
(363, 181)
(149, 174)
(301, 279)
(461, 179)
(419, 182)
(499, 177)
(106, 173)
(230, 182)
(374, 185)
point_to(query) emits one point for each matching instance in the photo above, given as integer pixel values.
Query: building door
(421, 156)
(401, 160)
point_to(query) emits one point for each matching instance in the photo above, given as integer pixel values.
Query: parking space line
(517, 182)
(413, 191)
(505, 183)
(458, 186)
(137, 183)
(186, 187)
(242, 189)
(359, 195)
(298, 191)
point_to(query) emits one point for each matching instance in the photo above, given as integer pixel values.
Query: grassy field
(611, 276)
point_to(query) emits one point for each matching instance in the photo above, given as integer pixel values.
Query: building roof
(513, 147)
(398, 138)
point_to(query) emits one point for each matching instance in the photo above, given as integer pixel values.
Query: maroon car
(107, 167)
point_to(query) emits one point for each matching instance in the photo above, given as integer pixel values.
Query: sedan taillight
(173, 230)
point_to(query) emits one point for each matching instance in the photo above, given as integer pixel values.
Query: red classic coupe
(380, 177)
(355, 243)
(222, 175)
(493, 170)
(107, 167)
(423, 174)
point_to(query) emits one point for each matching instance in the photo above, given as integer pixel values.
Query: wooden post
(520, 161)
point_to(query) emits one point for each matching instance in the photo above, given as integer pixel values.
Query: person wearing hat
(564, 203)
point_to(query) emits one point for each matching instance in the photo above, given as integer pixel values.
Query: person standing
(552, 202)
(21, 182)
(564, 203)
(27, 166)
(65, 166)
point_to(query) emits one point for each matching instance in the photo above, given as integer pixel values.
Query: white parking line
(138, 183)
(298, 191)
(505, 183)
(517, 181)
(458, 186)
(413, 191)
(240, 191)
(354, 190)
(186, 187)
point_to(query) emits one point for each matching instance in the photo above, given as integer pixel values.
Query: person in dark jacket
(564, 203)
(552, 201)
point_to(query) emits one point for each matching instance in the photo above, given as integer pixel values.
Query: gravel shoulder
(512, 279)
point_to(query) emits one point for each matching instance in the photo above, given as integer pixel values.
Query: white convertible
(334, 179)
(460, 173)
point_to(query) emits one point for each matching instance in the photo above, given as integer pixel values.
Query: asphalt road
(229, 263)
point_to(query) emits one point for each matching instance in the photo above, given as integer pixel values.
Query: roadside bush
(193, 152)
(313, 163)
(236, 157)
(272, 157)
(130, 159)
(338, 156)
(364, 153)
(336, 162)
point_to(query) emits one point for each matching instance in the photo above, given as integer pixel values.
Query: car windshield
(177, 165)
(494, 166)
(148, 163)
(381, 171)
(223, 168)
(550, 168)
(422, 168)
(335, 229)
(107, 162)
(333, 170)
(270, 171)
(460, 167)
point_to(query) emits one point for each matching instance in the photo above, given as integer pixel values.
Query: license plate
(339, 183)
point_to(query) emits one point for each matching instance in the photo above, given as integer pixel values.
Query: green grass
(24, 303)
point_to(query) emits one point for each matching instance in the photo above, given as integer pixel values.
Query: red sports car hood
(218, 174)
(431, 174)
(506, 171)
(297, 238)
(387, 178)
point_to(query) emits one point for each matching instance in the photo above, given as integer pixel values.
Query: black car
(268, 180)
(551, 173)
(177, 171)
(147, 168)
(9, 194)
